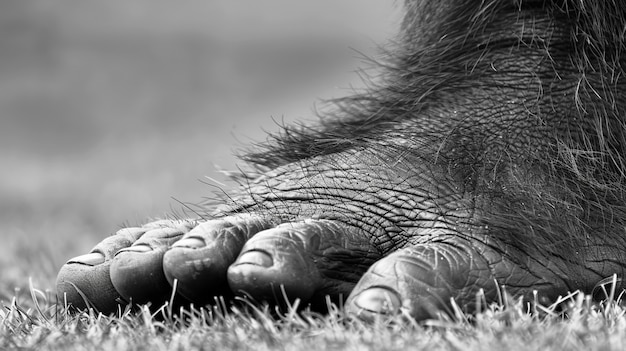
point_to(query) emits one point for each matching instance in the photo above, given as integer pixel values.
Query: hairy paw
(236, 255)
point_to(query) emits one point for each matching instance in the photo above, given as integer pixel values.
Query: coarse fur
(524, 101)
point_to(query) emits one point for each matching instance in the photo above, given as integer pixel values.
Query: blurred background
(112, 111)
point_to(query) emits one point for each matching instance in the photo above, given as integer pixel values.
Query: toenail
(190, 242)
(90, 259)
(379, 300)
(139, 248)
(256, 257)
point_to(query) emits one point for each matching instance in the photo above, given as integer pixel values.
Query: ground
(498, 327)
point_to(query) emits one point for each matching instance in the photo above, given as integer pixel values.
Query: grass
(573, 323)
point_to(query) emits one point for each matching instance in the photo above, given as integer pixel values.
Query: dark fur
(554, 68)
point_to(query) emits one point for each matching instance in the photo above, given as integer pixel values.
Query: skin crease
(490, 152)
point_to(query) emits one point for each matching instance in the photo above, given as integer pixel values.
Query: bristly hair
(432, 54)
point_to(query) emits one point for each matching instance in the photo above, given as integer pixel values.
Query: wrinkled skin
(491, 152)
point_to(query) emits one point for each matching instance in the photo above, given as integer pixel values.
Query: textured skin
(490, 153)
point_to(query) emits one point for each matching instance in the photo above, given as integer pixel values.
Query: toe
(137, 275)
(406, 279)
(199, 261)
(420, 281)
(137, 271)
(305, 260)
(84, 281)
(276, 264)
